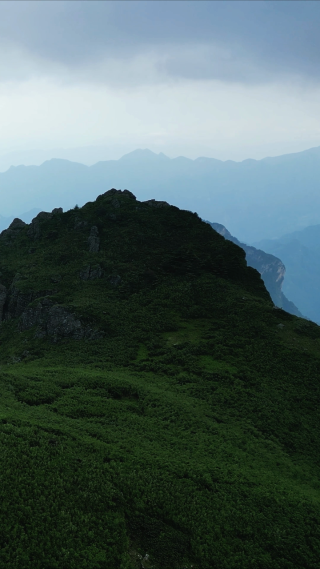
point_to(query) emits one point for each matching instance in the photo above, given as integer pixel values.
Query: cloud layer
(128, 42)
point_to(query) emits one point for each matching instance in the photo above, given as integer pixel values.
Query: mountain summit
(156, 409)
(255, 199)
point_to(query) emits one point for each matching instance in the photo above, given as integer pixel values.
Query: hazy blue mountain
(255, 199)
(300, 251)
(26, 217)
(86, 155)
(270, 267)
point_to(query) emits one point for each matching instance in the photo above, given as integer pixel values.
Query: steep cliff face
(271, 269)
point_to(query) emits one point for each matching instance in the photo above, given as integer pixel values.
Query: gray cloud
(136, 42)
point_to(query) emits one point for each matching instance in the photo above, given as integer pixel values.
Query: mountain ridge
(300, 251)
(249, 197)
(156, 409)
(270, 267)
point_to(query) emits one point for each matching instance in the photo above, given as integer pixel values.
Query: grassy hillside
(156, 410)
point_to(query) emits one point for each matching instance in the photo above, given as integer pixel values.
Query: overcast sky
(231, 80)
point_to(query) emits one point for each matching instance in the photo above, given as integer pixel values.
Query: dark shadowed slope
(300, 252)
(271, 269)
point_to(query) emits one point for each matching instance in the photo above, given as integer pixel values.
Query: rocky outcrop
(94, 240)
(17, 300)
(271, 269)
(79, 223)
(113, 193)
(34, 230)
(17, 224)
(13, 230)
(55, 322)
(91, 273)
(37, 310)
(155, 203)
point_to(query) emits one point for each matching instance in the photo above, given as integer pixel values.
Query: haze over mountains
(300, 252)
(254, 199)
(257, 201)
(270, 267)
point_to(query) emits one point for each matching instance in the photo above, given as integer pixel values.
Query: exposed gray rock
(79, 223)
(114, 192)
(55, 322)
(42, 216)
(17, 300)
(13, 230)
(91, 273)
(17, 224)
(57, 210)
(94, 240)
(129, 194)
(34, 230)
(155, 203)
(271, 269)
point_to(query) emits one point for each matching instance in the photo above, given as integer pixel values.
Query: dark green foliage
(187, 435)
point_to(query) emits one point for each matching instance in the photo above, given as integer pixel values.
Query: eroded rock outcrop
(56, 322)
(155, 203)
(34, 230)
(94, 240)
(91, 273)
(13, 230)
(17, 300)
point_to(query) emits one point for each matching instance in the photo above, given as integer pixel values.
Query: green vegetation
(186, 433)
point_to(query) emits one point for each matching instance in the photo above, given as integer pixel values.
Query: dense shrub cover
(187, 434)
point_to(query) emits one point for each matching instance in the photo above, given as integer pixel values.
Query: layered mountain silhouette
(300, 252)
(255, 199)
(156, 409)
(271, 269)
(26, 217)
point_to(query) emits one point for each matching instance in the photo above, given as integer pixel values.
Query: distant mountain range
(26, 217)
(271, 269)
(255, 199)
(300, 252)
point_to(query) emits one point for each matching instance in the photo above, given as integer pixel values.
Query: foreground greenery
(187, 436)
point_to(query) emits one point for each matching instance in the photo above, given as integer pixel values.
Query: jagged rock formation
(91, 273)
(155, 203)
(94, 240)
(271, 269)
(55, 322)
(34, 230)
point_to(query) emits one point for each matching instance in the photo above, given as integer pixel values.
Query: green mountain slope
(156, 409)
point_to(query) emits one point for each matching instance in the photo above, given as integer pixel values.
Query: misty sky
(231, 80)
